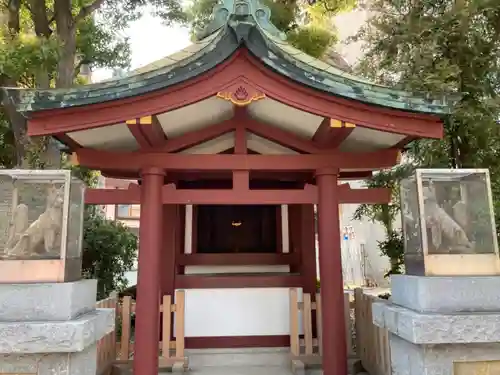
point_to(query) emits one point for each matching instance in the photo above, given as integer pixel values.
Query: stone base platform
(442, 325)
(446, 294)
(51, 329)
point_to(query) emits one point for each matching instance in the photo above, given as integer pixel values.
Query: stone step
(241, 370)
(238, 357)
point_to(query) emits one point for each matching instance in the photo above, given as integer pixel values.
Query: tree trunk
(66, 31)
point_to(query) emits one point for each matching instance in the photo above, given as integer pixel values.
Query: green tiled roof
(235, 23)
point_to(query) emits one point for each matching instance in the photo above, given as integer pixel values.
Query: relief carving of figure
(40, 236)
(443, 225)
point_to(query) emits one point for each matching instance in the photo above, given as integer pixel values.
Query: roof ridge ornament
(234, 12)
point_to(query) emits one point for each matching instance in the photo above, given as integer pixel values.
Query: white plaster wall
(237, 312)
(367, 233)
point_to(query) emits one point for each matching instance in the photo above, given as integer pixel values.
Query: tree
(109, 250)
(44, 43)
(443, 48)
(448, 48)
(308, 27)
(32, 56)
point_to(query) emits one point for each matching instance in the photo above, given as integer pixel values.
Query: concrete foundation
(436, 323)
(56, 330)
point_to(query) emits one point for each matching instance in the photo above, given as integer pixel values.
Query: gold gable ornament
(241, 97)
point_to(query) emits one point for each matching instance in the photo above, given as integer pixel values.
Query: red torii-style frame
(156, 161)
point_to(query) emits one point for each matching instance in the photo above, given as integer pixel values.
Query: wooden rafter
(192, 139)
(282, 137)
(68, 141)
(331, 133)
(147, 131)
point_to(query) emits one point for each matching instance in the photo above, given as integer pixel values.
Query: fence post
(179, 323)
(307, 323)
(126, 329)
(347, 318)
(319, 323)
(294, 323)
(166, 311)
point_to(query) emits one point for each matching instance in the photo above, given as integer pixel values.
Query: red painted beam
(239, 281)
(240, 136)
(255, 175)
(134, 161)
(170, 195)
(237, 259)
(112, 196)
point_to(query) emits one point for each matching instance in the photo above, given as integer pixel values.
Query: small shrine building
(233, 140)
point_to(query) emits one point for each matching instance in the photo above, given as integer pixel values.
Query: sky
(144, 49)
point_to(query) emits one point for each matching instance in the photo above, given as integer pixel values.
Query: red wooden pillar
(330, 266)
(148, 278)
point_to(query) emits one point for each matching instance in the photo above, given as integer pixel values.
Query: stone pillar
(330, 269)
(147, 323)
(442, 325)
(51, 328)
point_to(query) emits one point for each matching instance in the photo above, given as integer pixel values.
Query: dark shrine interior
(237, 229)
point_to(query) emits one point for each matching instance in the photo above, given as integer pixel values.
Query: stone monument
(444, 314)
(48, 320)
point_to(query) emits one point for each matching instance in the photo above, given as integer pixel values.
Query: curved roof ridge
(302, 58)
(235, 23)
(230, 12)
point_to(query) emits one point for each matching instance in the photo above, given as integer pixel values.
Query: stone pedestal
(51, 329)
(442, 325)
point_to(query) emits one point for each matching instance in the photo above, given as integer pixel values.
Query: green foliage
(385, 213)
(443, 47)
(24, 56)
(312, 40)
(32, 54)
(393, 248)
(109, 249)
(308, 28)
